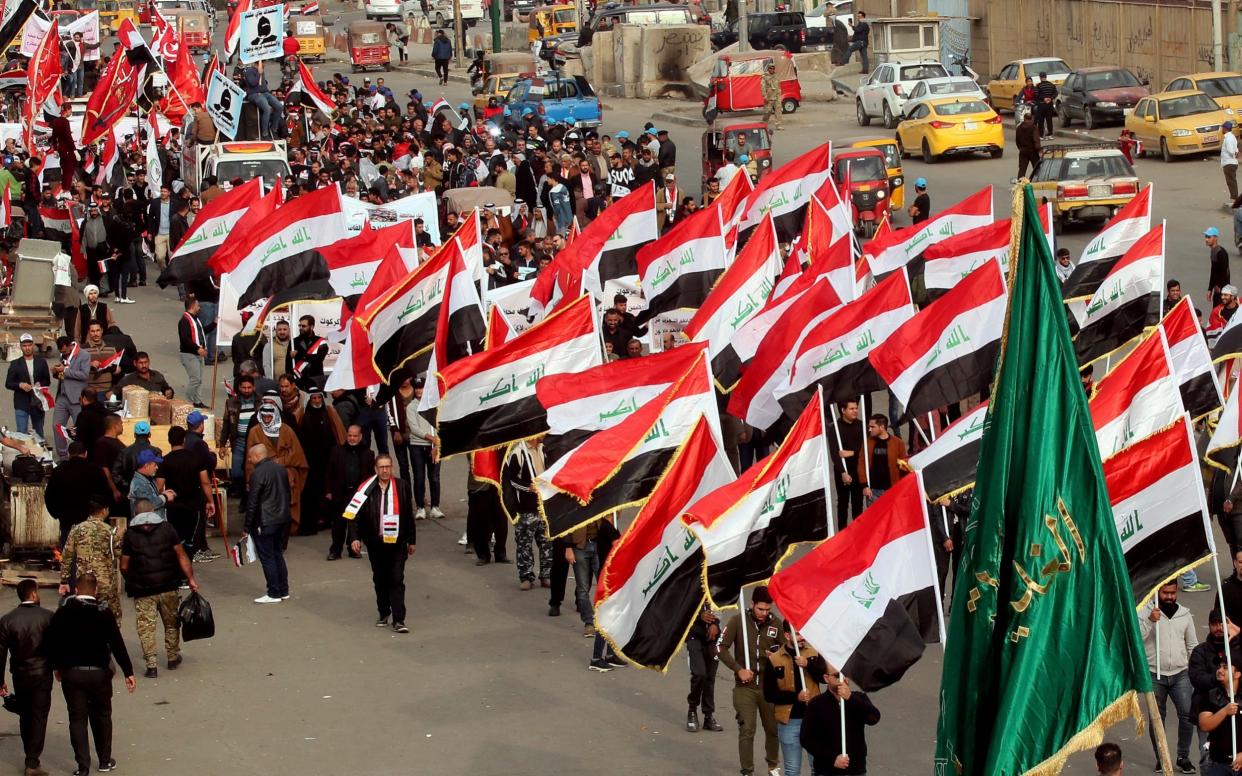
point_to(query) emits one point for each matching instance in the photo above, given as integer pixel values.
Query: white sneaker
(420, 514)
(436, 513)
(775, 772)
(116, 300)
(127, 300)
(266, 599)
(462, 541)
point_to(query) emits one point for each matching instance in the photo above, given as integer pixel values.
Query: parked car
(652, 14)
(557, 99)
(951, 125)
(782, 31)
(382, 9)
(1012, 77)
(1223, 86)
(1178, 123)
(441, 12)
(1099, 94)
(884, 93)
(1084, 182)
(841, 10)
(952, 86)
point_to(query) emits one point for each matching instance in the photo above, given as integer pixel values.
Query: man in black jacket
(384, 522)
(349, 465)
(193, 349)
(821, 729)
(92, 421)
(25, 376)
(1231, 588)
(309, 352)
(70, 488)
(701, 652)
(1045, 106)
(1209, 654)
(80, 643)
(21, 639)
(153, 562)
(267, 519)
(667, 156)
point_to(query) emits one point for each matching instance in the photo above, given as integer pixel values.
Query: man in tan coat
(283, 447)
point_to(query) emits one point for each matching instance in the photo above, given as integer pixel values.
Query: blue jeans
(601, 650)
(269, 109)
(861, 48)
(1178, 686)
(426, 472)
(272, 558)
(237, 468)
(791, 747)
(30, 420)
(207, 317)
(586, 568)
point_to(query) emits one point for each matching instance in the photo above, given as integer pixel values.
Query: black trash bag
(195, 617)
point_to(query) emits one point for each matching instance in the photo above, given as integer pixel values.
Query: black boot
(692, 721)
(710, 723)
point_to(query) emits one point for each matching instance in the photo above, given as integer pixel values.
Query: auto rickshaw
(308, 31)
(368, 45)
(892, 161)
(548, 20)
(195, 29)
(736, 83)
(863, 171)
(112, 13)
(500, 71)
(757, 145)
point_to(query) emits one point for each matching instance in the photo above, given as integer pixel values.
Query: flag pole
(931, 556)
(944, 513)
(798, 653)
(1162, 742)
(742, 620)
(841, 678)
(862, 404)
(823, 440)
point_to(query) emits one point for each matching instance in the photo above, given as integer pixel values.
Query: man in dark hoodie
(153, 562)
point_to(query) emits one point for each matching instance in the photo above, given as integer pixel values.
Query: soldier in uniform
(91, 547)
(771, 97)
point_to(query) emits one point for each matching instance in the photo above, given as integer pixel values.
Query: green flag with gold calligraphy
(1043, 649)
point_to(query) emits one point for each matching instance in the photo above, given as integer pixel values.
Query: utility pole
(458, 31)
(1217, 37)
(496, 13)
(743, 26)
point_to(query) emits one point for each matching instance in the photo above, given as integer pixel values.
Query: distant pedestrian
(1229, 159)
(399, 39)
(1026, 137)
(21, 647)
(193, 348)
(81, 642)
(771, 97)
(441, 53)
(860, 41)
(154, 561)
(920, 209)
(267, 520)
(1218, 267)
(523, 464)
(1045, 106)
(381, 516)
(26, 378)
(701, 654)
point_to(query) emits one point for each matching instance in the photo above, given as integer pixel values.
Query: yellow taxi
(1178, 123)
(1223, 86)
(1012, 77)
(951, 125)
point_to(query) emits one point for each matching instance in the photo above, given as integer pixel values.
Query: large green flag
(1043, 647)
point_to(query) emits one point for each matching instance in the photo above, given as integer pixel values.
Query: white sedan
(951, 86)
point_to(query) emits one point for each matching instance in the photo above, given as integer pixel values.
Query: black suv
(783, 31)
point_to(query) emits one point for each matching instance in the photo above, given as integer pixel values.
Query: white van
(440, 12)
(383, 9)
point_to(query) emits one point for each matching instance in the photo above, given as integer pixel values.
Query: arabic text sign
(224, 103)
(262, 31)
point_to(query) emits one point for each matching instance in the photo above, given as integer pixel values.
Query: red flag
(187, 88)
(112, 97)
(43, 79)
(6, 210)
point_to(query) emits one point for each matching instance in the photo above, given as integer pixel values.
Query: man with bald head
(267, 519)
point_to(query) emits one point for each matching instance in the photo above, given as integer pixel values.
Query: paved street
(486, 683)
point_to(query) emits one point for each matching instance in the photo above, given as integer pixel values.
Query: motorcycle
(1021, 109)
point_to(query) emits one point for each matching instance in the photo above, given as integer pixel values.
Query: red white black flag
(309, 93)
(747, 526)
(785, 192)
(651, 586)
(1222, 447)
(618, 467)
(949, 463)
(212, 226)
(1127, 301)
(608, 247)
(1139, 396)
(893, 250)
(1156, 490)
(679, 269)
(866, 598)
(488, 399)
(1192, 363)
(1106, 249)
(460, 327)
(947, 351)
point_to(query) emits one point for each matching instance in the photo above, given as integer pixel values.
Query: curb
(679, 119)
(1082, 135)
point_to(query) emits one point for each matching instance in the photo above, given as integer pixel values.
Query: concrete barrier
(666, 55)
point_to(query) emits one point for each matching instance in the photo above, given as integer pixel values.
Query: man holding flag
(28, 378)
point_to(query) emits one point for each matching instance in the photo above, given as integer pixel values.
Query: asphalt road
(486, 683)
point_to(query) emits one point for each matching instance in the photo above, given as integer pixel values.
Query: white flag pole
(931, 557)
(828, 507)
(742, 620)
(862, 404)
(944, 513)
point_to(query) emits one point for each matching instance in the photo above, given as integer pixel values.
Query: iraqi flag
(1156, 490)
(164, 39)
(354, 261)
(679, 269)
(1106, 249)
(896, 248)
(1221, 449)
(619, 467)
(282, 253)
(1228, 342)
(225, 257)
(1139, 396)
(488, 399)
(1126, 303)
(232, 32)
(947, 263)
(109, 155)
(866, 598)
(56, 221)
(651, 587)
(608, 247)
(111, 361)
(732, 201)
(308, 92)
(947, 352)
(44, 396)
(582, 403)
(13, 18)
(785, 192)
(754, 398)
(460, 327)
(828, 250)
(486, 465)
(558, 283)
(749, 525)
(835, 354)
(1192, 363)
(212, 226)
(740, 293)
(948, 464)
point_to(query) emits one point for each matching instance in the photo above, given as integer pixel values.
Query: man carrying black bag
(21, 639)
(196, 619)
